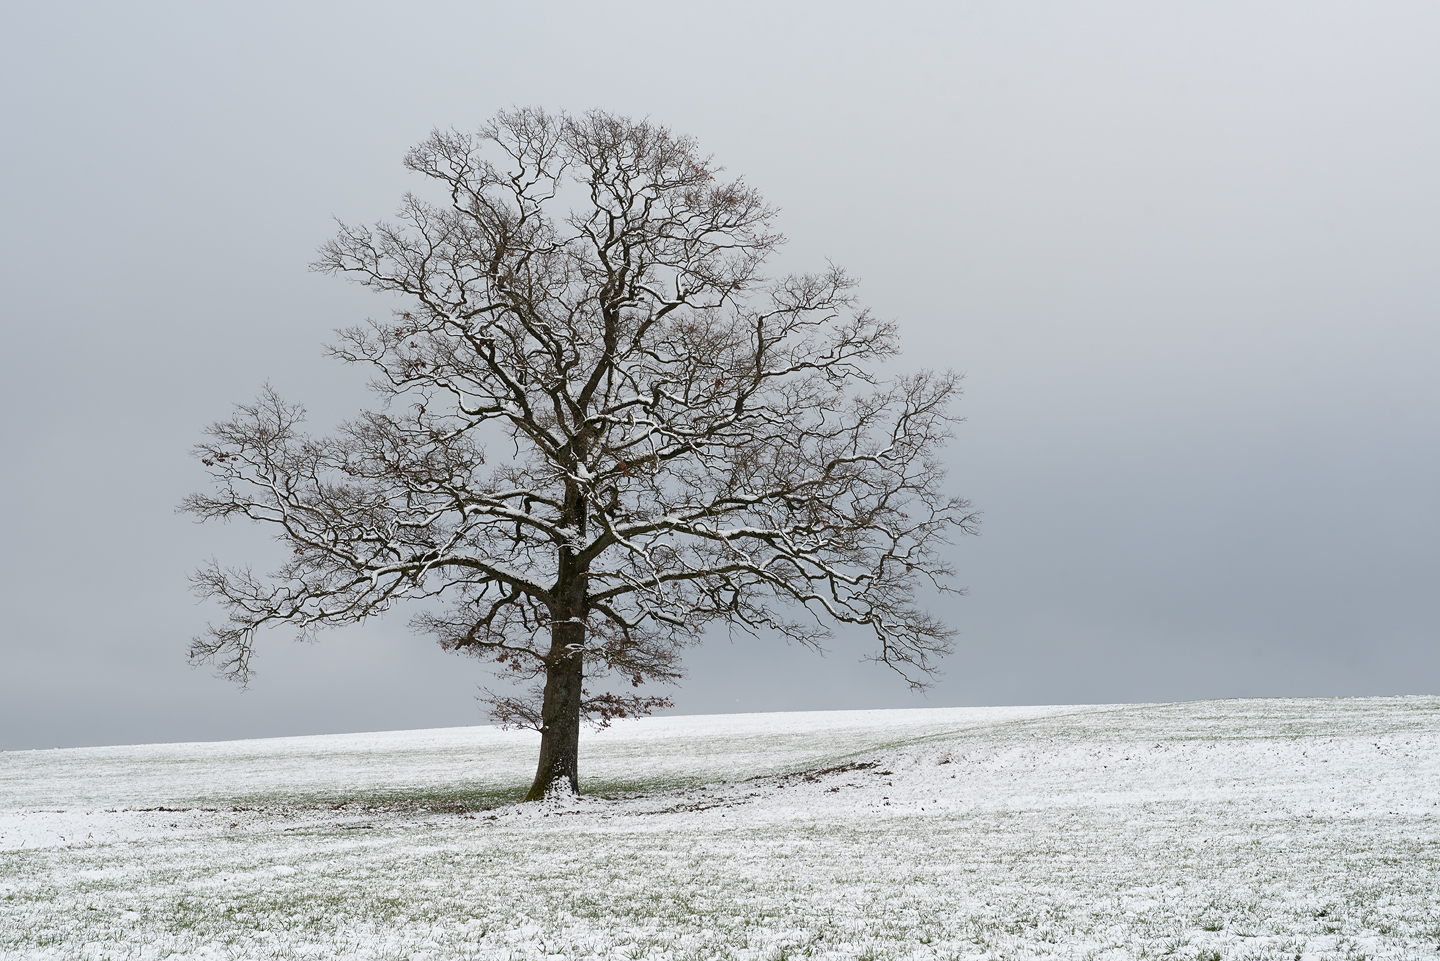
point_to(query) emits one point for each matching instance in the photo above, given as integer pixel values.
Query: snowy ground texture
(1276, 829)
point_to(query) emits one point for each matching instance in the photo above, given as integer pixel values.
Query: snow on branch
(599, 412)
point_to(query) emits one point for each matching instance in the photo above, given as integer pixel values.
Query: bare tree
(604, 430)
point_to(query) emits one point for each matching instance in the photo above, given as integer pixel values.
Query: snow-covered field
(1277, 829)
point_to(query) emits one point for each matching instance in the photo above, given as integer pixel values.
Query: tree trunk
(559, 769)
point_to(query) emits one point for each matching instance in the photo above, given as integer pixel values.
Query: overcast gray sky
(1186, 255)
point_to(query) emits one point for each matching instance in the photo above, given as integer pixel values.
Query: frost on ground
(1276, 829)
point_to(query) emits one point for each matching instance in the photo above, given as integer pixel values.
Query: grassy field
(1276, 829)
